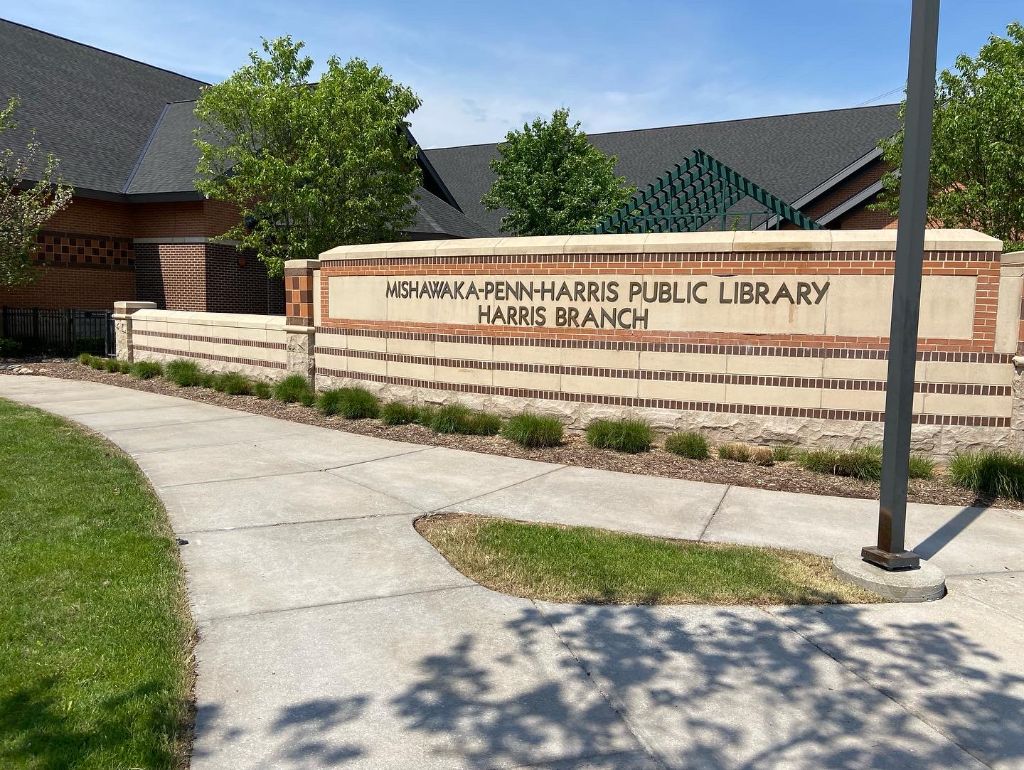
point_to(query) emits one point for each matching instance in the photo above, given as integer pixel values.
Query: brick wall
(860, 218)
(205, 277)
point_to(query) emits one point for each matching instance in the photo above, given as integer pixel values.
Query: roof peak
(688, 125)
(104, 51)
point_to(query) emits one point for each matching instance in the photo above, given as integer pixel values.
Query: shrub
(783, 453)
(85, 359)
(864, 463)
(98, 363)
(233, 384)
(185, 373)
(10, 348)
(688, 444)
(351, 403)
(921, 467)
(762, 455)
(455, 418)
(262, 389)
(146, 370)
(397, 413)
(425, 415)
(294, 389)
(990, 473)
(533, 430)
(631, 436)
(734, 451)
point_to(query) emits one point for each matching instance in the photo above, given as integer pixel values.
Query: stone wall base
(937, 441)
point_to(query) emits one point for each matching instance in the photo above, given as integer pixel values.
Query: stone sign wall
(753, 336)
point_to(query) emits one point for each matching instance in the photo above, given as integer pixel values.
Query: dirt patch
(784, 476)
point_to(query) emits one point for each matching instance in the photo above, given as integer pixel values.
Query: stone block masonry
(753, 336)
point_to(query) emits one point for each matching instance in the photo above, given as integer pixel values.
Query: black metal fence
(61, 332)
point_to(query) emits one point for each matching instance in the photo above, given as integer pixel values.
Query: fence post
(123, 312)
(298, 307)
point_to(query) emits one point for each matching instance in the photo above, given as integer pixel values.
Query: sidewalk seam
(711, 518)
(440, 508)
(613, 703)
(880, 690)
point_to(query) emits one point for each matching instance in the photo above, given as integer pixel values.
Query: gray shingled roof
(788, 155)
(92, 109)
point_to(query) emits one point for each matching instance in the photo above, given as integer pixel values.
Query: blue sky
(482, 68)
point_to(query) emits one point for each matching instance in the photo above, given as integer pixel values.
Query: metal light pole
(890, 553)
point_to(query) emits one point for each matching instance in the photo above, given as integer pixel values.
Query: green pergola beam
(680, 198)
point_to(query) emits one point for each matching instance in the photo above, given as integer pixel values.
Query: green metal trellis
(694, 193)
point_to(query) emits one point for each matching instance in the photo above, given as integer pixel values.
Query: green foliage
(351, 403)
(864, 463)
(533, 430)
(185, 373)
(146, 370)
(991, 473)
(83, 358)
(977, 167)
(294, 389)
(24, 206)
(262, 389)
(233, 384)
(397, 413)
(309, 167)
(921, 467)
(10, 348)
(425, 415)
(553, 181)
(734, 451)
(98, 363)
(455, 418)
(688, 444)
(783, 453)
(631, 436)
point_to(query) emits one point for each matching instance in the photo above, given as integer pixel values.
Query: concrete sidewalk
(332, 635)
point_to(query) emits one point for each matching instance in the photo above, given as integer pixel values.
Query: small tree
(309, 165)
(25, 204)
(977, 164)
(553, 181)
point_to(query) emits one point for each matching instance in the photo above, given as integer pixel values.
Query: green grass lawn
(95, 636)
(580, 564)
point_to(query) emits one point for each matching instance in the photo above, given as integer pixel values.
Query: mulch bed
(786, 476)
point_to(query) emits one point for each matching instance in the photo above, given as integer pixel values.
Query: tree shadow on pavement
(306, 732)
(729, 687)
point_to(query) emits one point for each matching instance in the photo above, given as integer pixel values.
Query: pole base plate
(915, 585)
(887, 560)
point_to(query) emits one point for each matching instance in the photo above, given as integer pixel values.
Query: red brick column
(298, 308)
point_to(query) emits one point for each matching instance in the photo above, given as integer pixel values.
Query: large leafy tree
(977, 161)
(552, 181)
(30, 193)
(309, 165)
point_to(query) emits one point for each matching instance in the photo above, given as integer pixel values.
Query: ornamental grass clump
(233, 384)
(146, 370)
(762, 455)
(350, 403)
(185, 373)
(990, 473)
(262, 389)
(294, 389)
(85, 359)
(734, 451)
(533, 430)
(455, 418)
(630, 436)
(98, 363)
(782, 453)
(397, 413)
(688, 444)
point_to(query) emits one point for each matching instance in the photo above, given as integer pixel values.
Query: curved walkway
(332, 635)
